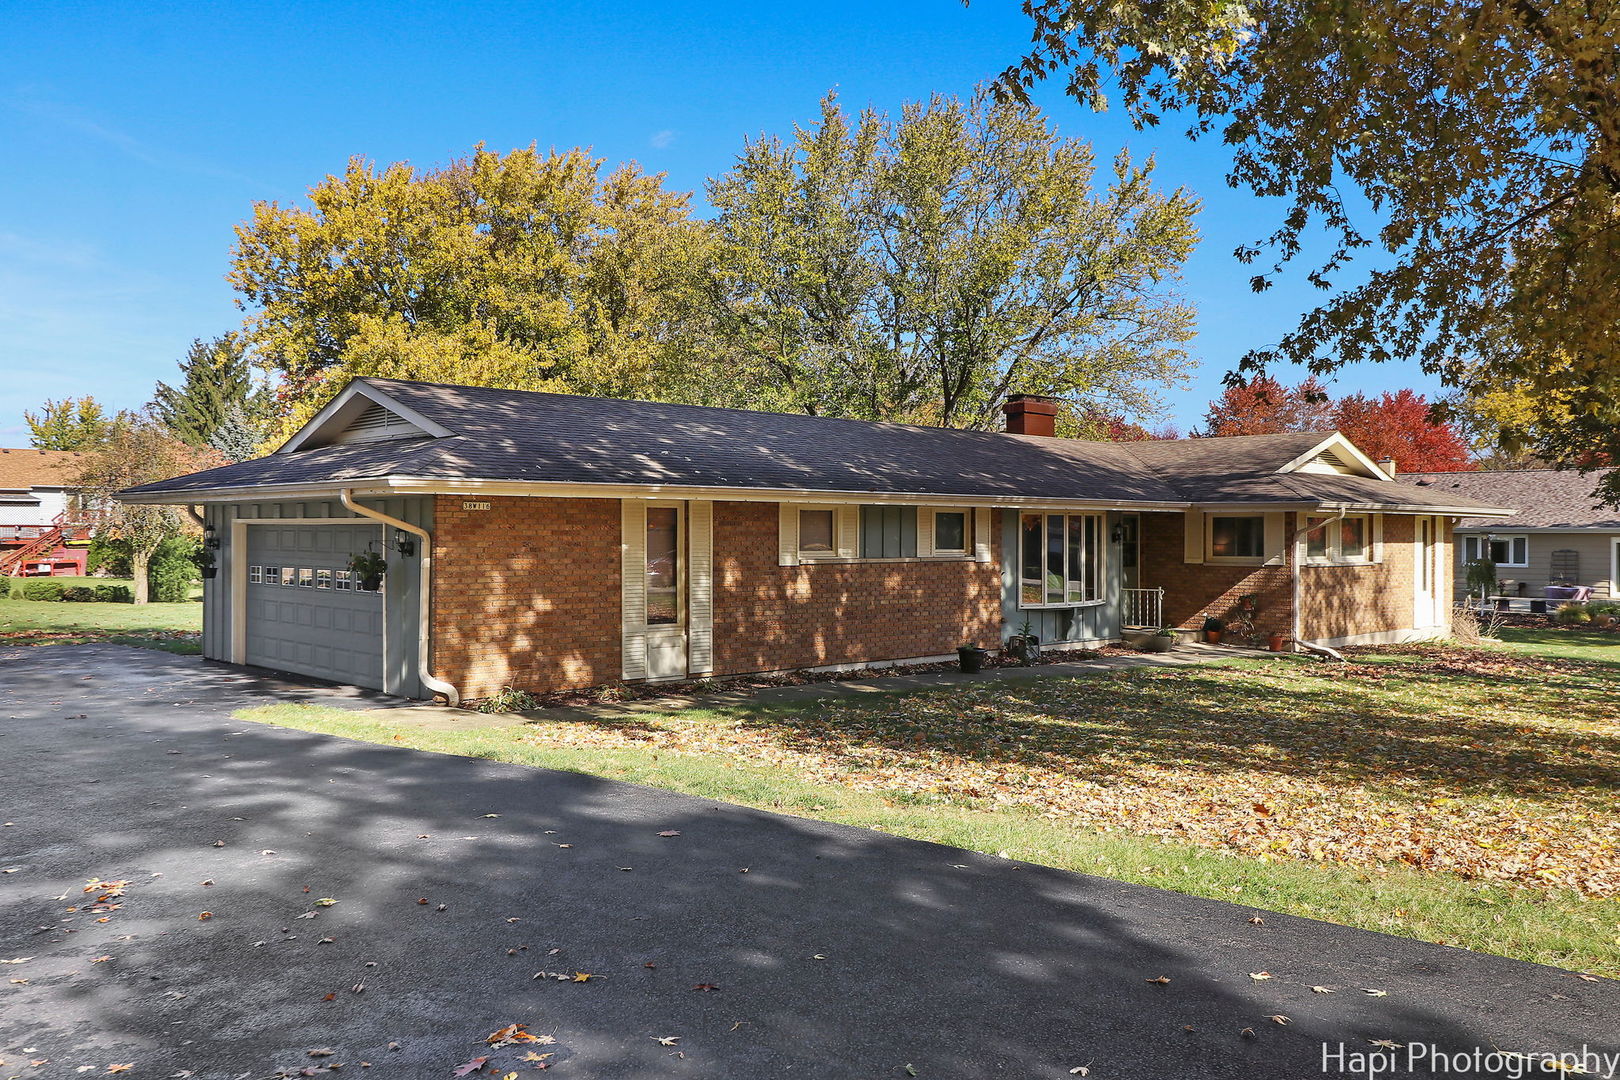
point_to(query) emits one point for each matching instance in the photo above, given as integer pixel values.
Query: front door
(1425, 574)
(665, 575)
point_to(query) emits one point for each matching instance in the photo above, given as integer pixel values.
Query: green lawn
(1459, 796)
(172, 627)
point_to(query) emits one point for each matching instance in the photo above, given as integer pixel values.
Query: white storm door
(1424, 575)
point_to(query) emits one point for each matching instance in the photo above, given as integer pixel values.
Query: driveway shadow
(833, 951)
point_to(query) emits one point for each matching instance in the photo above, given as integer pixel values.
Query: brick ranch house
(546, 541)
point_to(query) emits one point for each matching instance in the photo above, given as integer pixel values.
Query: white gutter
(1293, 558)
(429, 680)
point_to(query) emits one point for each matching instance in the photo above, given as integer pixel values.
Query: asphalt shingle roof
(1544, 498)
(21, 469)
(560, 438)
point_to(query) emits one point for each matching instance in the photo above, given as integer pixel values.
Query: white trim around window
(1514, 547)
(951, 538)
(1351, 540)
(1235, 539)
(806, 523)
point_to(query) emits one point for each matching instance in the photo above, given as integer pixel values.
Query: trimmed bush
(114, 594)
(172, 571)
(42, 590)
(79, 594)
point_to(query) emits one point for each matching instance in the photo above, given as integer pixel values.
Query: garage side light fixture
(404, 543)
(210, 536)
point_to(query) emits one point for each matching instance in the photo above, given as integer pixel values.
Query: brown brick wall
(1340, 601)
(1193, 591)
(526, 594)
(769, 617)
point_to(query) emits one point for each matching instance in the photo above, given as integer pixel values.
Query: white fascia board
(1337, 441)
(358, 388)
(1543, 530)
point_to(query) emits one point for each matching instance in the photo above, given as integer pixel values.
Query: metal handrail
(1141, 608)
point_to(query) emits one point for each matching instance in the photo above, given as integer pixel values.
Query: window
(1501, 550)
(323, 579)
(272, 575)
(1339, 541)
(255, 575)
(888, 532)
(1237, 537)
(815, 532)
(950, 532)
(1059, 559)
(663, 565)
(306, 578)
(342, 580)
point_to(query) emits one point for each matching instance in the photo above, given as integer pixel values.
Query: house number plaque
(475, 506)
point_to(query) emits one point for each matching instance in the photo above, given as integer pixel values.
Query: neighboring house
(1558, 535)
(38, 533)
(546, 541)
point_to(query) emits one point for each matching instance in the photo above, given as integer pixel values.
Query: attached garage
(303, 611)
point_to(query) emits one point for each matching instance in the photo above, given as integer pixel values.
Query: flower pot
(370, 584)
(210, 571)
(1605, 621)
(970, 658)
(1158, 643)
(1212, 636)
(1279, 642)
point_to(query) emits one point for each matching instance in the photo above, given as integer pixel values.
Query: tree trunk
(138, 561)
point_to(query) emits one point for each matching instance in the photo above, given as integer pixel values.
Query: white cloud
(661, 139)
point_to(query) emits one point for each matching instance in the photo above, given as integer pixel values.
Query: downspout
(429, 680)
(1293, 558)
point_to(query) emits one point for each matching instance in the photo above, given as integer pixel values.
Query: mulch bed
(618, 692)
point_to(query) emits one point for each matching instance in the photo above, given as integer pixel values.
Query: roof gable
(362, 413)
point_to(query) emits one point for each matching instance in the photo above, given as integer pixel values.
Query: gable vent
(377, 424)
(1329, 462)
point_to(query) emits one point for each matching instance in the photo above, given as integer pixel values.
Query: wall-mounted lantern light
(404, 543)
(210, 536)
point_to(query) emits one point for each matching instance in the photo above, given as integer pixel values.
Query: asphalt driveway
(745, 945)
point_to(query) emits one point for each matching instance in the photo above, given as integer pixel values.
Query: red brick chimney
(1031, 414)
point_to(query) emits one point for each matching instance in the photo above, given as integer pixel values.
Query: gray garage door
(304, 613)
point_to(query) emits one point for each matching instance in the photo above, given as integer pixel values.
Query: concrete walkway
(440, 718)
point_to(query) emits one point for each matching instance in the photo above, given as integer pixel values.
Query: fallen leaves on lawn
(1473, 762)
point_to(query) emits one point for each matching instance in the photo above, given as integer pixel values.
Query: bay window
(1059, 559)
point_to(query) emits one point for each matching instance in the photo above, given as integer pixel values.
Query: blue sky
(133, 137)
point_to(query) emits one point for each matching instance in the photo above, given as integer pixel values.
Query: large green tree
(140, 451)
(79, 423)
(216, 376)
(1482, 135)
(528, 270)
(920, 268)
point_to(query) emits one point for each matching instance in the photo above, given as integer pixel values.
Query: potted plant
(1024, 646)
(1161, 640)
(368, 568)
(1213, 628)
(203, 559)
(971, 658)
(1278, 641)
